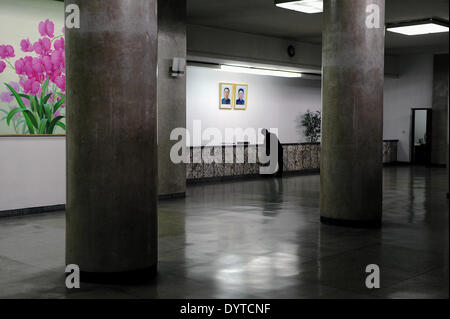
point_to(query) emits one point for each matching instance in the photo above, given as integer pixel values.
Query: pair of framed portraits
(233, 96)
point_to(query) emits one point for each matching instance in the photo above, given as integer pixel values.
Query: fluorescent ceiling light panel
(259, 71)
(305, 6)
(417, 29)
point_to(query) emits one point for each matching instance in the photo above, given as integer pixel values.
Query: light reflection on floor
(258, 239)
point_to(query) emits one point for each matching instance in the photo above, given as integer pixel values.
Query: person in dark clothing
(267, 137)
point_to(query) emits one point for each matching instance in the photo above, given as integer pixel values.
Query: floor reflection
(259, 238)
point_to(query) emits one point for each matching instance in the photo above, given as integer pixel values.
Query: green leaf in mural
(12, 113)
(24, 127)
(30, 121)
(43, 126)
(56, 120)
(61, 125)
(43, 91)
(58, 104)
(33, 119)
(38, 107)
(16, 95)
(33, 105)
(48, 112)
(46, 98)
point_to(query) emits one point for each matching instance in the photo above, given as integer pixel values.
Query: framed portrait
(241, 96)
(226, 95)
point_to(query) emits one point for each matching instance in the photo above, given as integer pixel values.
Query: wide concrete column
(352, 125)
(171, 94)
(111, 140)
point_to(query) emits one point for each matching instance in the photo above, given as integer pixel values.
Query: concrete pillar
(171, 94)
(352, 97)
(111, 140)
(439, 127)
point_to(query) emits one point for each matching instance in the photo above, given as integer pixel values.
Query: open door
(421, 136)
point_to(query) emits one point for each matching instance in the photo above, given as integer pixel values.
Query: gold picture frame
(226, 101)
(240, 101)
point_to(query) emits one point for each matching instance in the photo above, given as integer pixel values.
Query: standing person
(267, 137)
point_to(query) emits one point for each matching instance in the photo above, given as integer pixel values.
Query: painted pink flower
(59, 44)
(27, 85)
(26, 45)
(19, 66)
(2, 66)
(57, 113)
(56, 59)
(43, 46)
(10, 51)
(28, 67)
(47, 28)
(6, 51)
(35, 87)
(60, 81)
(47, 62)
(37, 65)
(31, 86)
(6, 97)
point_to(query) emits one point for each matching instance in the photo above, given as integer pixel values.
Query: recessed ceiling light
(305, 6)
(419, 27)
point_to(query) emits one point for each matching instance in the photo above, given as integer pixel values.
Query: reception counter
(298, 158)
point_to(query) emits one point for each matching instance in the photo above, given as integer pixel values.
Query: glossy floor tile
(258, 239)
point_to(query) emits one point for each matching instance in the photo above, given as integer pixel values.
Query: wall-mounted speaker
(291, 51)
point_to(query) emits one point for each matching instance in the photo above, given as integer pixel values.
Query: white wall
(32, 172)
(273, 102)
(412, 89)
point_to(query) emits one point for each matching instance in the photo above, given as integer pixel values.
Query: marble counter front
(297, 158)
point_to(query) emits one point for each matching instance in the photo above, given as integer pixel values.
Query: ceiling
(264, 18)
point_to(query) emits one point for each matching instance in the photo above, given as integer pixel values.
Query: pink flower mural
(39, 93)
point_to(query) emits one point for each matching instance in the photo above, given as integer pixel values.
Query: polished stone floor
(258, 239)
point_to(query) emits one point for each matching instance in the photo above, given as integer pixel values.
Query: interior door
(421, 135)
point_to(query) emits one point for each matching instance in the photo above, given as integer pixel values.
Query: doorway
(421, 136)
